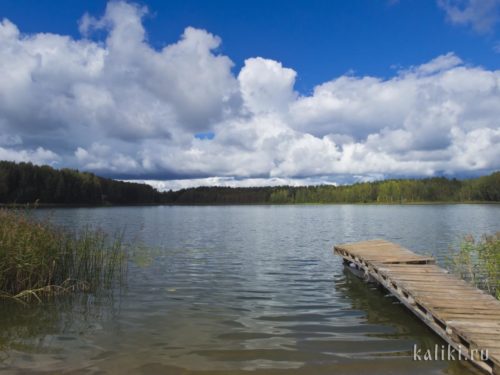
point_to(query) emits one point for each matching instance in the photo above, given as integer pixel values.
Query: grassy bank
(478, 261)
(38, 258)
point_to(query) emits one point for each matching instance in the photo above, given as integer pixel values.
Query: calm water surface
(237, 289)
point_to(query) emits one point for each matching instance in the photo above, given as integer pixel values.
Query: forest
(22, 183)
(27, 183)
(436, 189)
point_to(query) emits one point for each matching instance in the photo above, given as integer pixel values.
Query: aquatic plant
(478, 261)
(38, 258)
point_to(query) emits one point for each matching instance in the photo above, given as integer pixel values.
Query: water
(237, 289)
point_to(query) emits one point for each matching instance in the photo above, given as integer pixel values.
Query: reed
(478, 261)
(38, 258)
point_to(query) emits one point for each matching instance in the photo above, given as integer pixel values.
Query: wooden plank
(456, 311)
(486, 342)
(467, 316)
(453, 302)
(465, 310)
(428, 289)
(471, 324)
(424, 292)
(491, 334)
(444, 284)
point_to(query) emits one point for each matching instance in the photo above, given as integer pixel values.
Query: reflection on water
(45, 336)
(229, 290)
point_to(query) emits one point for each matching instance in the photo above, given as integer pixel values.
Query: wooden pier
(467, 318)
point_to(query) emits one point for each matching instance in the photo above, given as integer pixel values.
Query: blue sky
(319, 39)
(252, 92)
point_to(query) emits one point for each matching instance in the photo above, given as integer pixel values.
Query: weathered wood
(464, 316)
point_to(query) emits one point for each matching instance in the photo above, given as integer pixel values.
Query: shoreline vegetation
(39, 259)
(25, 183)
(83, 205)
(477, 261)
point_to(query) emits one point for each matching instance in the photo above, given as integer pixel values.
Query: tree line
(436, 189)
(26, 183)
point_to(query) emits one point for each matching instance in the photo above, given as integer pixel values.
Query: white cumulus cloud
(122, 108)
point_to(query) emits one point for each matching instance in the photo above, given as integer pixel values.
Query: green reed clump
(478, 261)
(38, 258)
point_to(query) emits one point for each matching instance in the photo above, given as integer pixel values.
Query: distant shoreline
(25, 183)
(79, 205)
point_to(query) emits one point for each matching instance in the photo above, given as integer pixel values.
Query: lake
(237, 289)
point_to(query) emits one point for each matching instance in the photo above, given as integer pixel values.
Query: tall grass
(38, 258)
(478, 261)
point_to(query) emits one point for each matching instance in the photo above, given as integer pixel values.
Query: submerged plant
(38, 258)
(478, 261)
